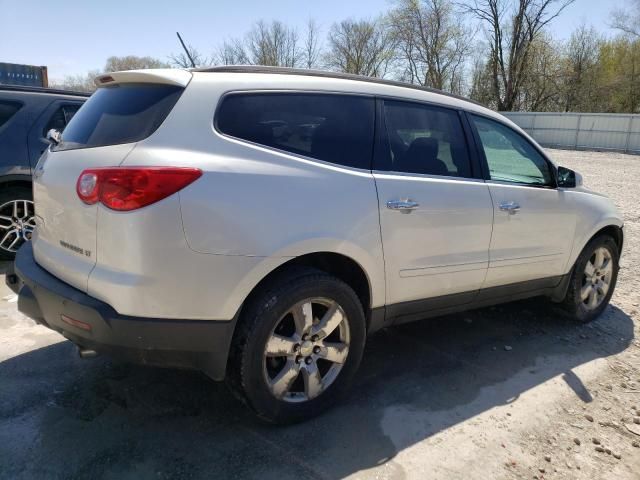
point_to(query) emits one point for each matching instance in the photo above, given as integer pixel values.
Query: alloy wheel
(596, 281)
(17, 222)
(306, 350)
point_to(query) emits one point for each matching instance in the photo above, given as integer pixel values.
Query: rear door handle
(510, 207)
(404, 206)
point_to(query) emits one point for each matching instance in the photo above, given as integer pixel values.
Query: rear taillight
(129, 188)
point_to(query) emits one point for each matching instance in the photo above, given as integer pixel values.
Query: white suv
(258, 223)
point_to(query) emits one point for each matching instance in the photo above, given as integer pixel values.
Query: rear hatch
(126, 108)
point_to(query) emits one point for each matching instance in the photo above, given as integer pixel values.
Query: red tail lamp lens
(130, 188)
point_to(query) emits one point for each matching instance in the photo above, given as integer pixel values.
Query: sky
(72, 37)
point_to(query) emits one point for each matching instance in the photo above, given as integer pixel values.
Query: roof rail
(55, 91)
(327, 74)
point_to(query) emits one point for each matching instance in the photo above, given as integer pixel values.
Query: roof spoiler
(166, 76)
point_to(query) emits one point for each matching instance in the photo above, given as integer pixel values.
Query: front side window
(510, 157)
(117, 114)
(334, 128)
(8, 110)
(425, 139)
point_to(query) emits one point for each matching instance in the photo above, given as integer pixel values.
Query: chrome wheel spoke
(5, 222)
(589, 269)
(26, 214)
(585, 291)
(334, 352)
(279, 346)
(600, 258)
(303, 318)
(312, 381)
(330, 321)
(602, 288)
(13, 244)
(6, 237)
(282, 382)
(592, 301)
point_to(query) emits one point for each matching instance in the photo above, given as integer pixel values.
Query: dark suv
(26, 115)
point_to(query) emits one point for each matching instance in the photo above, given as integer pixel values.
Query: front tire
(593, 280)
(297, 347)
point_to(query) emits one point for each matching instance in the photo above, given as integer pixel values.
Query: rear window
(8, 110)
(334, 128)
(119, 114)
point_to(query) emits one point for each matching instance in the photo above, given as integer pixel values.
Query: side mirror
(567, 178)
(54, 136)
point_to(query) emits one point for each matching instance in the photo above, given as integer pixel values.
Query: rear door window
(425, 139)
(119, 114)
(8, 110)
(334, 128)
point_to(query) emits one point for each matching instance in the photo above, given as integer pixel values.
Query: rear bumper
(93, 324)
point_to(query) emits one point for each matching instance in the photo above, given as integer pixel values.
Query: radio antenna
(186, 50)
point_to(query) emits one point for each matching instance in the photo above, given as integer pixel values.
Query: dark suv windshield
(122, 113)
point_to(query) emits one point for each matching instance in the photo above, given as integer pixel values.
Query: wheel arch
(609, 225)
(337, 264)
(15, 181)
(614, 231)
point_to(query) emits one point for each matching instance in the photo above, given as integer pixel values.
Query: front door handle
(510, 207)
(404, 206)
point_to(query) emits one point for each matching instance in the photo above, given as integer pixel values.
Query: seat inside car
(422, 157)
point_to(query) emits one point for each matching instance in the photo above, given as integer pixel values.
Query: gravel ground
(507, 392)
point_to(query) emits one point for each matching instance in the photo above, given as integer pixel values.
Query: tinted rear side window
(8, 110)
(333, 128)
(120, 114)
(426, 139)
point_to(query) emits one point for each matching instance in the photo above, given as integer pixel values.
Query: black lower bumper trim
(198, 344)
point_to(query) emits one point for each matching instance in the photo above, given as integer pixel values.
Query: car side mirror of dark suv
(54, 136)
(568, 178)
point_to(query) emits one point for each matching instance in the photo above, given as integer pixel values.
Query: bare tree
(627, 20)
(363, 47)
(512, 26)
(273, 44)
(231, 52)
(433, 42)
(181, 59)
(77, 83)
(132, 62)
(312, 44)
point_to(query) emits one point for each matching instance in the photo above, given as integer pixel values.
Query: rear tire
(297, 347)
(593, 280)
(16, 219)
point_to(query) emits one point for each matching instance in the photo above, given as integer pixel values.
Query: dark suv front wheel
(16, 219)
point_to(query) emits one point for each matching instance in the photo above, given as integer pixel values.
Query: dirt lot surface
(508, 392)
